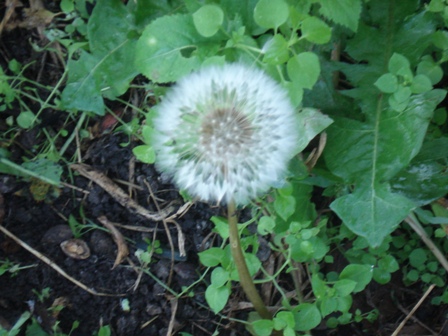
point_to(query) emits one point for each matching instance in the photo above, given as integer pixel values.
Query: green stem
(237, 254)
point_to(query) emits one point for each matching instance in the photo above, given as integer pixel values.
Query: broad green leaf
(304, 69)
(410, 38)
(208, 19)
(343, 12)
(109, 67)
(315, 30)
(387, 83)
(372, 211)
(168, 48)
(217, 297)
(425, 179)
(271, 13)
(306, 316)
(361, 274)
(369, 155)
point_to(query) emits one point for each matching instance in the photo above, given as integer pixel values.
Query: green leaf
(286, 317)
(315, 30)
(263, 327)
(26, 119)
(219, 277)
(304, 69)
(421, 84)
(418, 257)
(265, 225)
(402, 95)
(284, 206)
(328, 305)
(217, 297)
(387, 83)
(369, 155)
(169, 48)
(361, 274)
(430, 69)
(211, 257)
(50, 170)
(109, 67)
(345, 287)
(398, 106)
(306, 316)
(343, 12)
(276, 50)
(399, 65)
(372, 212)
(144, 153)
(271, 13)
(388, 263)
(425, 179)
(208, 19)
(221, 226)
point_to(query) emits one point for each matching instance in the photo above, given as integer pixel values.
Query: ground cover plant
(351, 236)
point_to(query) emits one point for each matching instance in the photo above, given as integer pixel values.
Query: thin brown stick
(403, 323)
(118, 194)
(174, 304)
(416, 320)
(50, 263)
(167, 231)
(416, 226)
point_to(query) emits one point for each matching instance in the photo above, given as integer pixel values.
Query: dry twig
(403, 323)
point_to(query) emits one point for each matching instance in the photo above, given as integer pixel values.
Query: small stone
(76, 248)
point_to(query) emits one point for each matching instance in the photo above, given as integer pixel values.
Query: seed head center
(224, 132)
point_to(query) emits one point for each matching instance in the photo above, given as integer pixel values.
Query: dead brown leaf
(122, 247)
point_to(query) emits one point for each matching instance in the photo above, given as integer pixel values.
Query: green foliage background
(369, 73)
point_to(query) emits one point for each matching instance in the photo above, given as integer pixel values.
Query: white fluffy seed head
(225, 133)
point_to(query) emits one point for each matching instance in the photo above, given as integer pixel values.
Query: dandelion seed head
(225, 133)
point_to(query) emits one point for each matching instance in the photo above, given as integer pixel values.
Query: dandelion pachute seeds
(225, 133)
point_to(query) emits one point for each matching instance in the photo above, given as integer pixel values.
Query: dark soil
(152, 308)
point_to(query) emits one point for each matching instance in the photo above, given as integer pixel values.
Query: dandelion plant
(226, 134)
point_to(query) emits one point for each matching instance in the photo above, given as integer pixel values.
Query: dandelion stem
(238, 257)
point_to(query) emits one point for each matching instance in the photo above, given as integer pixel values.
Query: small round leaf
(208, 19)
(304, 69)
(315, 30)
(271, 13)
(387, 83)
